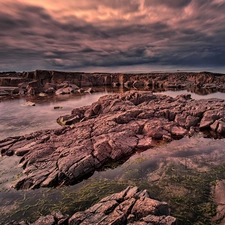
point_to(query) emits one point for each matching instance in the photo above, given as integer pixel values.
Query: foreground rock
(111, 129)
(127, 207)
(219, 199)
(130, 206)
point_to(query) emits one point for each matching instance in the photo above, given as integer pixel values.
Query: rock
(208, 118)
(89, 90)
(64, 90)
(46, 81)
(130, 206)
(178, 131)
(58, 107)
(219, 199)
(55, 218)
(28, 103)
(113, 128)
(80, 90)
(42, 94)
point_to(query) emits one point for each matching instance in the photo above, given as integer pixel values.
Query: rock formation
(130, 206)
(111, 129)
(32, 83)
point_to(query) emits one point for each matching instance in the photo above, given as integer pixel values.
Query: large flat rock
(111, 129)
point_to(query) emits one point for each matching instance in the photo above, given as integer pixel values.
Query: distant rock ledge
(56, 82)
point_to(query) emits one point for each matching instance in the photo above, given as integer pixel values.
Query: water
(157, 169)
(18, 119)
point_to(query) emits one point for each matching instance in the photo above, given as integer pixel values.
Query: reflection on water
(16, 119)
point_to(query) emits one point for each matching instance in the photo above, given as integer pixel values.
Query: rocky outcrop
(34, 82)
(130, 206)
(111, 129)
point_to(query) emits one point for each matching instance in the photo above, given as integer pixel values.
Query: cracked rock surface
(110, 129)
(130, 206)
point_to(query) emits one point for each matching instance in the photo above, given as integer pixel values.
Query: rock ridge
(59, 82)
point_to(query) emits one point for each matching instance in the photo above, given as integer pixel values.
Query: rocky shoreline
(44, 82)
(111, 129)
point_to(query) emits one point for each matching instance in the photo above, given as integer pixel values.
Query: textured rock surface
(130, 206)
(127, 207)
(34, 82)
(110, 129)
(219, 198)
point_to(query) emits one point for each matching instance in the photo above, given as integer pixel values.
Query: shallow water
(144, 169)
(18, 119)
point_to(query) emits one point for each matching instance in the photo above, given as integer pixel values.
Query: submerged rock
(111, 129)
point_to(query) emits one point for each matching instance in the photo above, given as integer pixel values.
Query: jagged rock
(110, 129)
(208, 118)
(130, 206)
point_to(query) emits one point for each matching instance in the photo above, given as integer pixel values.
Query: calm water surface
(18, 119)
(196, 153)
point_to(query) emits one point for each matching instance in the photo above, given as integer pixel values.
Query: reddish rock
(112, 128)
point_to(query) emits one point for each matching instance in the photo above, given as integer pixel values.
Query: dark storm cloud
(112, 33)
(171, 3)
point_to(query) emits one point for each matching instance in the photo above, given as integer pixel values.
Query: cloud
(80, 34)
(171, 4)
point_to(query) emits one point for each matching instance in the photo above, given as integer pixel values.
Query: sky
(101, 35)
